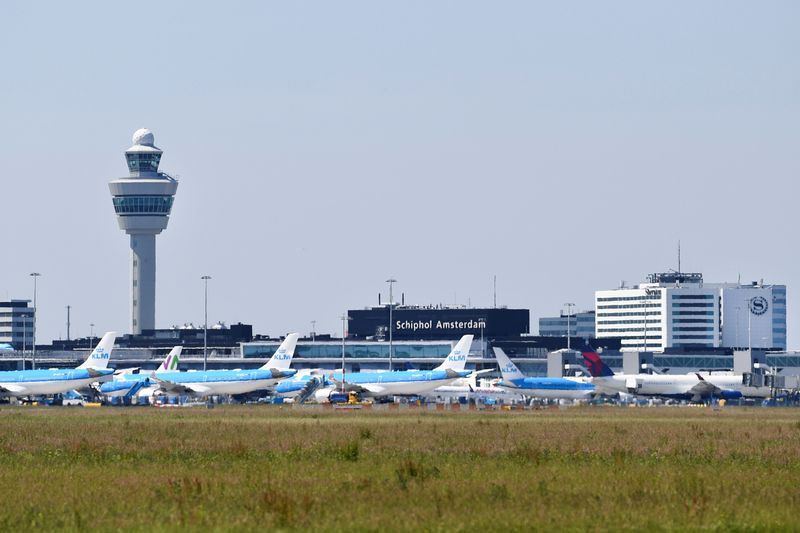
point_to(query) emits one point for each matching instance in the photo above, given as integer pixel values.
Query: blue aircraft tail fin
(282, 358)
(458, 357)
(102, 352)
(508, 369)
(597, 368)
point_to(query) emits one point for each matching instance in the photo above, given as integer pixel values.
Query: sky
(324, 147)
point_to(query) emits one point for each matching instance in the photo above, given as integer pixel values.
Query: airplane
(551, 388)
(60, 380)
(470, 389)
(291, 387)
(211, 382)
(128, 382)
(403, 382)
(693, 386)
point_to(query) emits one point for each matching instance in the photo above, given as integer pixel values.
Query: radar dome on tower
(143, 137)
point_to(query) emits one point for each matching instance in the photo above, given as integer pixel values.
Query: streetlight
(391, 282)
(313, 330)
(482, 324)
(648, 295)
(33, 352)
(344, 318)
(91, 335)
(569, 307)
(205, 323)
(68, 309)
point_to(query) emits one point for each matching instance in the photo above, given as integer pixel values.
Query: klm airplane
(551, 388)
(211, 382)
(136, 383)
(405, 382)
(37, 382)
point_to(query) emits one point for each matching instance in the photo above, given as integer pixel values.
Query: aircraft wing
(95, 374)
(703, 389)
(11, 389)
(369, 388)
(170, 386)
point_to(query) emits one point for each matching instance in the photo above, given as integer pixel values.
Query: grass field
(265, 467)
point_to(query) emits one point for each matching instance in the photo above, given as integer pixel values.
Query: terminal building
(16, 324)
(580, 325)
(678, 310)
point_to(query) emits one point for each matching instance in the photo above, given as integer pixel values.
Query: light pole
(313, 330)
(749, 326)
(648, 294)
(391, 282)
(91, 335)
(344, 318)
(482, 323)
(35, 312)
(68, 308)
(569, 313)
(205, 323)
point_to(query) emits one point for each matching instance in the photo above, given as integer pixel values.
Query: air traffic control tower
(143, 202)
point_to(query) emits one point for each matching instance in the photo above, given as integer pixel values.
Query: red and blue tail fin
(597, 368)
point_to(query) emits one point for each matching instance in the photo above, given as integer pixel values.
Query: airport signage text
(428, 325)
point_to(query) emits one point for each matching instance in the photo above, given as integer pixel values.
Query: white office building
(679, 310)
(16, 324)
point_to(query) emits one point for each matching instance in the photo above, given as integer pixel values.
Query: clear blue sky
(323, 147)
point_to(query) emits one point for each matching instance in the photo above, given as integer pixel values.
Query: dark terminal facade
(440, 322)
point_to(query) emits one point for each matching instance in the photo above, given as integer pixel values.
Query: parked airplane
(208, 383)
(127, 383)
(551, 388)
(296, 385)
(732, 381)
(55, 381)
(404, 382)
(693, 387)
(470, 389)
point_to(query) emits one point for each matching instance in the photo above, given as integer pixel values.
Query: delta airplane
(551, 388)
(693, 387)
(56, 381)
(211, 382)
(404, 382)
(128, 383)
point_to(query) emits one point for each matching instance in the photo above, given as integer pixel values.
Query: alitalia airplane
(56, 381)
(405, 382)
(128, 383)
(211, 382)
(552, 388)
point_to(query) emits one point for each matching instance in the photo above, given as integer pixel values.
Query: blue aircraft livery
(407, 382)
(41, 382)
(551, 388)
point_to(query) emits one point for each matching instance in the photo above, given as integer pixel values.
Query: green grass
(264, 467)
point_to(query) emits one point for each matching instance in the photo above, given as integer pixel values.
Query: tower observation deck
(143, 202)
